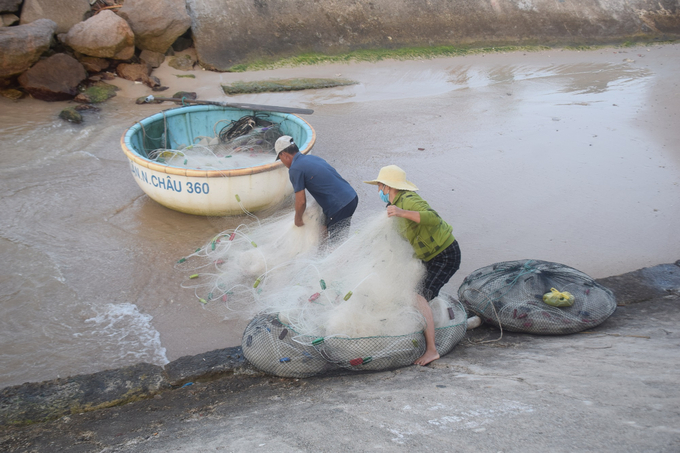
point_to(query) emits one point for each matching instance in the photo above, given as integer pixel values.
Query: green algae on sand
(273, 85)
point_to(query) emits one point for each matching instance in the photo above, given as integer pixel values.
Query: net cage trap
(273, 346)
(537, 297)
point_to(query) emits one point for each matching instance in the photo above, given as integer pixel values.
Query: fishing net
(246, 142)
(364, 286)
(270, 346)
(275, 347)
(536, 297)
(450, 322)
(226, 273)
(394, 351)
(352, 302)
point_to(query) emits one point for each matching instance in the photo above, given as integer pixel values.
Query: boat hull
(208, 192)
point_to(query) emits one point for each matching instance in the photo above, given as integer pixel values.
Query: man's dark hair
(292, 149)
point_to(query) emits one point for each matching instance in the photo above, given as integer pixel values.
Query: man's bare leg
(431, 353)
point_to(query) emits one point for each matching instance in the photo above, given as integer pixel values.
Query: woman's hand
(393, 211)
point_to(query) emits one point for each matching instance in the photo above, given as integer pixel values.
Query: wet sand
(563, 156)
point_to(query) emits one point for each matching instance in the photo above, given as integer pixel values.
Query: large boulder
(105, 36)
(93, 64)
(23, 45)
(153, 59)
(156, 23)
(138, 73)
(54, 79)
(66, 13)
(134, 72)
(10, 6)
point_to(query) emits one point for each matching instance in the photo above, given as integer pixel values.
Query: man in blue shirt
(337, 198)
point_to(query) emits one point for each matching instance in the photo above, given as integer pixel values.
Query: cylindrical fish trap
(450, 322)
(373, 353)
(537, 297)
(270, 346)
(275, 348)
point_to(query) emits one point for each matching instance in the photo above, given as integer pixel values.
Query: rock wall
(228, 32)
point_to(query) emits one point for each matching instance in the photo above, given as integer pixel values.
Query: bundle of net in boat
(247, 142)
(536, 297)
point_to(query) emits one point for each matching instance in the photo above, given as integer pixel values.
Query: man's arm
(300, 206)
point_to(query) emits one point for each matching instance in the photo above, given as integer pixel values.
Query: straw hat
(394, 177)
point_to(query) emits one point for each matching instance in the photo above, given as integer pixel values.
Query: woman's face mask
(385, 197)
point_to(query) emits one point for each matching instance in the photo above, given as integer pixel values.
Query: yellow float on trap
(558, 299)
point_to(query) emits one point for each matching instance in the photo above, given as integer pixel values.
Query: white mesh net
(354, 303)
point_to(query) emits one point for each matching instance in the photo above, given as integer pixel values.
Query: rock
(66, 13)
(54, 79)
(160, 88)
(153, 59)
(182, 62)
(10, 6)
(23, 45)
(153, 82)
(8, 19)
(93, 64)
(71, 115)
(186, 95)
(12, 94)
(105, 36)
(96, 93)
(138, 73)
(134, 72)
(156, 23)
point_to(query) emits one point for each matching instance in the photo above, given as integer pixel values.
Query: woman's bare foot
(429, 356)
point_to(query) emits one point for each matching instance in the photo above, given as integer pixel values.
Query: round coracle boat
(213, 160)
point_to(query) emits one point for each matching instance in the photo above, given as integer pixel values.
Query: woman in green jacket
(431, 239)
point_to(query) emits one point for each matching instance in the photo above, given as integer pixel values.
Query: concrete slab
(610, 389)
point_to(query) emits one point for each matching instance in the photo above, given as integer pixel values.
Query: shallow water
(565, 156)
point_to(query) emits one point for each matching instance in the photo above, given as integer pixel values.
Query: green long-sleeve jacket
(429, 237)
